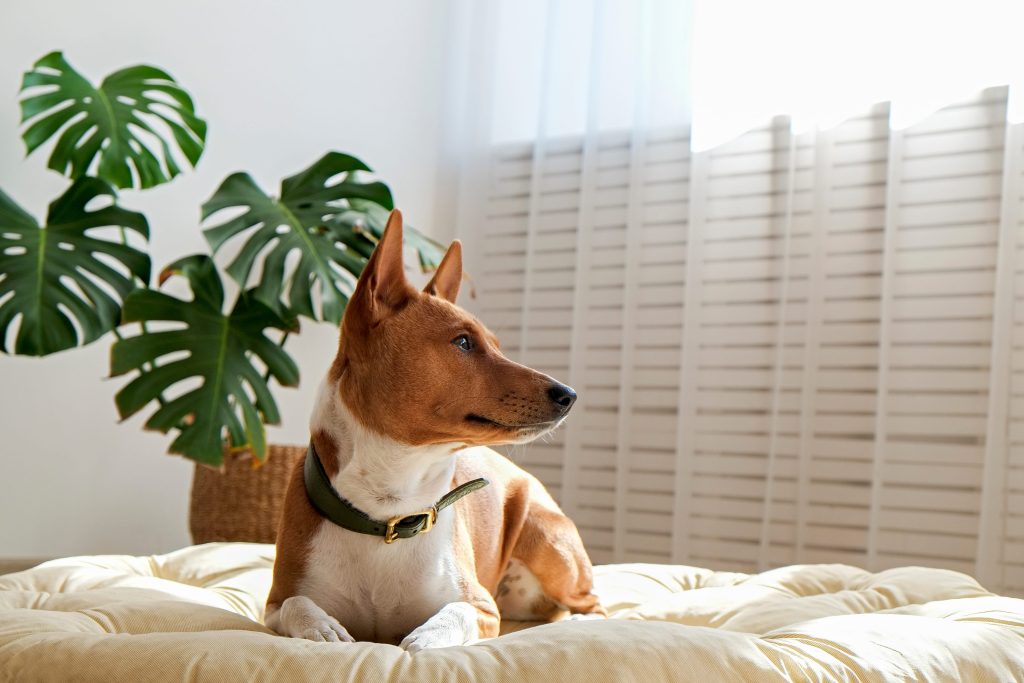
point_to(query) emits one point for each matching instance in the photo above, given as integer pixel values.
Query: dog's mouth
(529, 427)
(480, 419)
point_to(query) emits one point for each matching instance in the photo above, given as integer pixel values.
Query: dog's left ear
(448, 276)
(382, 288)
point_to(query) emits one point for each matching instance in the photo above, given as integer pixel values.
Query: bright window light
(821, 61)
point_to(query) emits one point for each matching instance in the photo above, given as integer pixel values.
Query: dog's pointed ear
(448, 275)
(382, 288)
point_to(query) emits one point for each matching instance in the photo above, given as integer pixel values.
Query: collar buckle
(392, 534)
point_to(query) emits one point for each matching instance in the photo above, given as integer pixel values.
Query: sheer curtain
(775, 248)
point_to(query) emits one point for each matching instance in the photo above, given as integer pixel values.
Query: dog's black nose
(563, 396)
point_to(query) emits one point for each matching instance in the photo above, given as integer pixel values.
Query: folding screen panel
(795, 347)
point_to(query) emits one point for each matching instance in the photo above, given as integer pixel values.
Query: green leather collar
(332, 506)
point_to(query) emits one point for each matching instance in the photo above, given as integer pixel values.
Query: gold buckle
(431, 513)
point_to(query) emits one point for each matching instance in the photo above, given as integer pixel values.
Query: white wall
(279, 83)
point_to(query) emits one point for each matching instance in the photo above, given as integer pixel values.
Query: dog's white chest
(381, 591)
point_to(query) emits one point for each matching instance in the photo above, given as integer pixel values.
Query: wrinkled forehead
(440, 314)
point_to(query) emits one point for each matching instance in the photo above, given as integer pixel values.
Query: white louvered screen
(1002, 543)
(795, 347)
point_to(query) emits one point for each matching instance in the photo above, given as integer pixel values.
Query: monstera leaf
(124, 123)
(295, 222)
(207, 345)
(54, 276)
(351, 226)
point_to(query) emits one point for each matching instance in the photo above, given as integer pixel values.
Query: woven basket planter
(241, 503)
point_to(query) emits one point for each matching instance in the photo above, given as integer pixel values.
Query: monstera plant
(207, 364)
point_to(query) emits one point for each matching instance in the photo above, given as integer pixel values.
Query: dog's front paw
(425, 638)
(326, 630)
(455, 624)
(585, 617)
(300, 617)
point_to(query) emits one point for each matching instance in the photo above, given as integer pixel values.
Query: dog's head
(417, 368)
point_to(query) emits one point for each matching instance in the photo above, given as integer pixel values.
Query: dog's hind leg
(550, 571)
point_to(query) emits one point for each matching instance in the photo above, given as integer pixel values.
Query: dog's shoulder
(509, 483)
(480, 461)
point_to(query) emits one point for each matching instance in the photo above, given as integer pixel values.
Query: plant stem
(146, 367)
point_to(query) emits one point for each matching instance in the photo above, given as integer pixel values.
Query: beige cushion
(195, 614)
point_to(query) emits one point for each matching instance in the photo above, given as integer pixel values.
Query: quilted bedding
(195, 615)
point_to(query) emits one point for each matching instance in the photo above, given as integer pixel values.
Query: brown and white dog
(417, 391)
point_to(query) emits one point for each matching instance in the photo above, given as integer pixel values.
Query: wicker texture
(241, 503)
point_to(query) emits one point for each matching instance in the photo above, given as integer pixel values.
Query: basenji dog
(371, 545)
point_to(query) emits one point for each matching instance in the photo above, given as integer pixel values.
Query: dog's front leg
(457, 623)
(300, 617)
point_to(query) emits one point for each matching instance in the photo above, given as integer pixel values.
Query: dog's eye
(463, 342)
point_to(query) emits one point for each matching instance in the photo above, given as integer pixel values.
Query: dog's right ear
(382, 288)
(448, 276)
